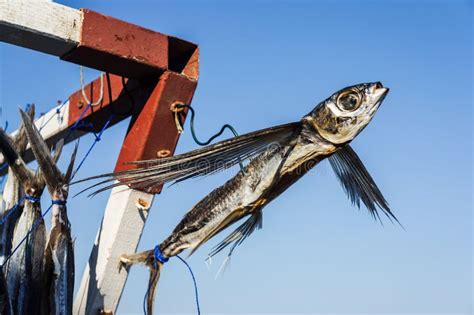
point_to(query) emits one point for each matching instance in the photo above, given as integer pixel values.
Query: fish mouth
(379, 92)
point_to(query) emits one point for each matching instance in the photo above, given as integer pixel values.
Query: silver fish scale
(25, 268)
(63, 258)
(240, 192)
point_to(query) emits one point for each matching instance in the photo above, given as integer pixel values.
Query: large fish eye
(349, 100)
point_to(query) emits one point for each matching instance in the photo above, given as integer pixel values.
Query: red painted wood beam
(153, 129)
(122, 48)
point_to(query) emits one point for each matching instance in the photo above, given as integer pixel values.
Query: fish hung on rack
(279, 156)
(24, 269)
(11, 206)
(58, 274)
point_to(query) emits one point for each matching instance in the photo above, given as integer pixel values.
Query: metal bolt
(163, 153)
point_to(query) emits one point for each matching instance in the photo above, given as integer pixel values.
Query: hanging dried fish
(24, 270)
(281, 155)
(11, 208)
(58, 276)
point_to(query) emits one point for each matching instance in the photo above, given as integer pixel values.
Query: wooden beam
(56, 123)
(161, 69)
(122, 226)
(150, 130)
(40, 25)
(91, 39)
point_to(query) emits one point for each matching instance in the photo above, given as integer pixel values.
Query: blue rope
(32, 199)
(159, 257)
(97, 139)
(58, 111)
(194, 282)
(78, 121)
(11, 211)
(58, 202)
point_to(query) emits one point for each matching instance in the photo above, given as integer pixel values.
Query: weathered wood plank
(40, 25)
(122, 226)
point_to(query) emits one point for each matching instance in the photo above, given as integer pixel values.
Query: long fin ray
(253, 223)
(357, 182)
(203, 161)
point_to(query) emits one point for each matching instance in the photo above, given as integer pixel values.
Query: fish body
(58, 276)
(247, 193)
(59, 266)
(280, 156)
(25, 267)
(12, 194)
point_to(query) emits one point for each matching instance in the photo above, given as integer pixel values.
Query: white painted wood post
(120, 232)
(41, 25)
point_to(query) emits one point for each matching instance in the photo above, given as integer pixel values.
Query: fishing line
(178, 108)
(159, 257)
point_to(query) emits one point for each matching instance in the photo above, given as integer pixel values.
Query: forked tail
(149, 259)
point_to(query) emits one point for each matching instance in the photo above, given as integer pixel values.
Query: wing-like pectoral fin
(207, 160)
(357, 182)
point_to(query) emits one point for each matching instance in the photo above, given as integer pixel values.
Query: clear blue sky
(266, 63)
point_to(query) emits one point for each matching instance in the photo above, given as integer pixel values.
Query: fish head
(342, 116)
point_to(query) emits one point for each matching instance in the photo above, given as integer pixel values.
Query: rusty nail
(142, 204)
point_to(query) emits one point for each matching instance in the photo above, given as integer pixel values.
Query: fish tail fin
(155, 271)
(146, 258)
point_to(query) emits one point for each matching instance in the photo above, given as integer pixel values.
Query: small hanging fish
(11, 208)
(280, 156)
(24, 270)
(58, 276)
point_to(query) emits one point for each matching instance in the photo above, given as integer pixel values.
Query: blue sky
(265, 63)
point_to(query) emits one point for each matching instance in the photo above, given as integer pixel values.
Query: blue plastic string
(32, 199)
(196, 293)
(11, 211)
(78, 121)
(58, 111)
(97, 139)
(38, 221)
(158, 255)
(58, 202)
